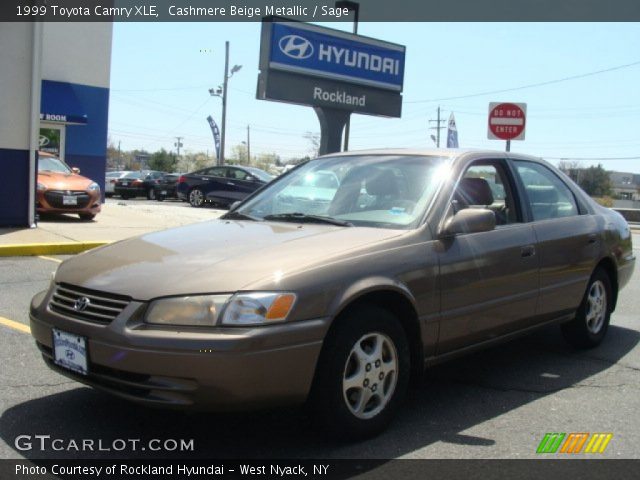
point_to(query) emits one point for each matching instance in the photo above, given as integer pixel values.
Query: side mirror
(234, 205)
(75, 170)
(469, 220)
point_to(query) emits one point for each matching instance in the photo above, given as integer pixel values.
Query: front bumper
(219, 369)
(50, 201)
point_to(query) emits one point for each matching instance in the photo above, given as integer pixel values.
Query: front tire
(196, 198)
(87, 217)
(362, 375)
(151, 194)
(590, 325)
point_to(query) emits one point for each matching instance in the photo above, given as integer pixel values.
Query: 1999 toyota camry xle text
(334, 292)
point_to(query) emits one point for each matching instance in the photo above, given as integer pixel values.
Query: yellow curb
(15, 325)
(66, 248)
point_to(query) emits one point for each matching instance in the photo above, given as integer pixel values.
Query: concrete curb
(63, 248)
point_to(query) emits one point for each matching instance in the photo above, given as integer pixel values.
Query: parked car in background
(413, 261)
(61, 189)
(221, 185)
(166, 187)
(138, 184)
(110, 181)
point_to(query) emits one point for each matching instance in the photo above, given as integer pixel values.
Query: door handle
(231, 183)
(592, 238)
(528, 251)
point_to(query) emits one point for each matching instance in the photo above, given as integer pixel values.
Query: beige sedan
(335, 295)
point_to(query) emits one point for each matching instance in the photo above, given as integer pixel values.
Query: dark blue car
(221, 186)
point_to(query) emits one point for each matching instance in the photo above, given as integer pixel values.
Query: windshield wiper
(303, 217)
(239, 216)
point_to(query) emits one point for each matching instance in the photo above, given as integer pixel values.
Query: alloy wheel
(370, 375)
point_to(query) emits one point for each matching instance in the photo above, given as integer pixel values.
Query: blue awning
(59, 103)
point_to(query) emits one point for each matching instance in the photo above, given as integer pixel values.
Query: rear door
(215, 187)
(488, 280)
(567, 237)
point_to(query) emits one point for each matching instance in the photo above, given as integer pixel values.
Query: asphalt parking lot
(498, 403)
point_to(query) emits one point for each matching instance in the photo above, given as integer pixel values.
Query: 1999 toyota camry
(334, 294)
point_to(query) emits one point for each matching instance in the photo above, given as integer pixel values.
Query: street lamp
(355, 8)
(221, 92)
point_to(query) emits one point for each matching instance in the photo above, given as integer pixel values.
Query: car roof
(433, 152)
(451, 153)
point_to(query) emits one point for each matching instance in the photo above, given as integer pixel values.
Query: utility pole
(438, 127)
(221, 92)
(178, 144)
(249, 144)
(224, 100)
(119, 156)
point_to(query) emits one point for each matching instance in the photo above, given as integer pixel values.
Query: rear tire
(590, 325)
(362, 375)
(196, 198)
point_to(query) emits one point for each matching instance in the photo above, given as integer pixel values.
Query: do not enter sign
(507, 121)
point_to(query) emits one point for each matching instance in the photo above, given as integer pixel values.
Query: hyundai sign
(321, 52)
(322, 67)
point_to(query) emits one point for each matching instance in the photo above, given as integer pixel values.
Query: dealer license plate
(70, 351)
(69, 200)
(163, 192)
(124, 184)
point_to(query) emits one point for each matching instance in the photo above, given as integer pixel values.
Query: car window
(237, 174)
(260, 174)
(216, 171)
(548, 196)
(485, 185)
(133, 175)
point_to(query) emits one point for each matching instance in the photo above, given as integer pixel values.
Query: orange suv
(63, 190)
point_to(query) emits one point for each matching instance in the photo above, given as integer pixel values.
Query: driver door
(488, 280)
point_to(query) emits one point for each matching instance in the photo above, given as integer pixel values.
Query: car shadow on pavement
(61, 218)
(450, 399)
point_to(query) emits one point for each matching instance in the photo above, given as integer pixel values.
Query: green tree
(595, 181)
(163, 161)
(190, 162)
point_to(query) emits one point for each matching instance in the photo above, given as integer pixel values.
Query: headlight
(94, 187)
(258, 308)
(41, 187)
(200, 310)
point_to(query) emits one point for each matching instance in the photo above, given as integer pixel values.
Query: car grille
(54, 198)
(101, 307)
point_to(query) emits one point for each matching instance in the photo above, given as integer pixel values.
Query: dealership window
(548, 196)
(52, 139)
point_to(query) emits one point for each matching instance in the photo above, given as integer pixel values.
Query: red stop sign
(507, 121)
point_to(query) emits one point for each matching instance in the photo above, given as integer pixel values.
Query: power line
(531, 85)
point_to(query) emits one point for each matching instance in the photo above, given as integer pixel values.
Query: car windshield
(383, 191)
(52, 164)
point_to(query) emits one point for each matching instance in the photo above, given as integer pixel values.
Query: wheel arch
(609, 266)
(395, 299)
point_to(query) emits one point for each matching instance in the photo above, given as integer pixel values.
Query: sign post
(335, 72)
(507, 121)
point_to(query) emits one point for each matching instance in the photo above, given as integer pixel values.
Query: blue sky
(161, 72)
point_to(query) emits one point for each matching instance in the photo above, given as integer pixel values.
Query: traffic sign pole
(508, 149)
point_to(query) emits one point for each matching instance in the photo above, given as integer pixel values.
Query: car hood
(216, 256)
(63, 181)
